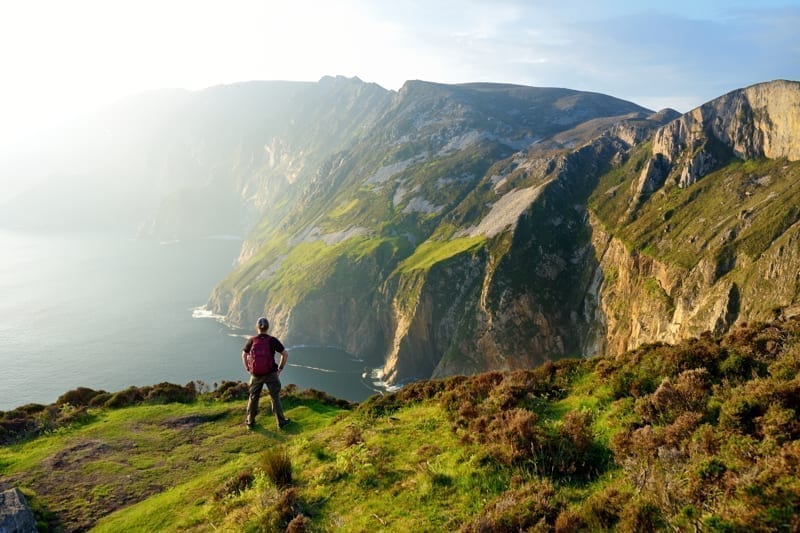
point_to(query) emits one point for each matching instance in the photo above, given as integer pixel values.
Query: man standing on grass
(258, 358)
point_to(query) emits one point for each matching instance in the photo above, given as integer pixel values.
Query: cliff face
(710, 226)
(189, 164)
(519, 295)
(459, 228)
(758, 121)
(656, 257)
(461, 235)
(398, 249)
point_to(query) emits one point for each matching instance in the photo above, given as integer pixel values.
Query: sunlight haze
(61, 59)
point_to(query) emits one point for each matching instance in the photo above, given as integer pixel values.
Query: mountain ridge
(449, 228)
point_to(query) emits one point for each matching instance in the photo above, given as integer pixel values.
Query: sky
(59, 58)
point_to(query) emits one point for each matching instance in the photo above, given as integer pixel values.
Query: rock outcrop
(15, 515)
(759, 121)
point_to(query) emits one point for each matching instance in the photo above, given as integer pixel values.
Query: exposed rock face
(458, 228)
(705, 274)
(442, 163)
(511, 268)
(759, 121)
(15, 515)
(517, 302)
(645, 300)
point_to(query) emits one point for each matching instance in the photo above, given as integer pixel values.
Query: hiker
(258, 358)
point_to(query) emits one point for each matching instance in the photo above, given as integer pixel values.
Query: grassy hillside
(739, 209)
(699, 436)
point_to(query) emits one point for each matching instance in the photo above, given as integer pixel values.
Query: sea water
(104, 311)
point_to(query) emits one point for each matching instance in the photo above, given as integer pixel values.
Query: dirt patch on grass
(91, 477)
(190, 421)
(88, 480)
(80, 452)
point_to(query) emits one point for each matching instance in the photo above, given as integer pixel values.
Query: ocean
(106, 312)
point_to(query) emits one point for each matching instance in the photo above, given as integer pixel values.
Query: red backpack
(261, 359)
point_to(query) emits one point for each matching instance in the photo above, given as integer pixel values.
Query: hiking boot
(285, 422)
(249, 425)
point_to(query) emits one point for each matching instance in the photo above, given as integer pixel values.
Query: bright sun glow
(65, 58)
(61, 58)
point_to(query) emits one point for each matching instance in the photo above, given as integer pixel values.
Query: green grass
(430, 253)
(128, 454)
(743, 207)
(621, 442)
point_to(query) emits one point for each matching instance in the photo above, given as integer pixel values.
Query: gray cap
(262, 323)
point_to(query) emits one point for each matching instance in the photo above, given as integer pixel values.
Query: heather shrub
(27, 410)
(627, 383)
(577, 429)
(230, 390)
(68, 415)
(79, 396)
(291, 395)
(235, 486)
(602, 509)
(638, 516)
(100, 399)
(284, 512)
(701, 352)
(125, 398)
(531, 507)
(738, 366)
(171, 393)
(569, 521)
(352, 435)
(512, 435)
(738, 414)
(787, 366)
(299, 524)
(14, 428)
(689, 391)
(682, 429)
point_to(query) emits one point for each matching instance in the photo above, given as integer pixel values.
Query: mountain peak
(761, 120)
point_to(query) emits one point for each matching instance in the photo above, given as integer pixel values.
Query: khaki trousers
(274, 387)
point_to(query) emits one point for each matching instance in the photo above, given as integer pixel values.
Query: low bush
(235, 486)
(80, 396)
(531, 507)
(125, 398)
(171, 393)
(230, 390)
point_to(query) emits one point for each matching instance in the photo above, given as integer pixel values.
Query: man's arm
(284, 358)
(244, 359)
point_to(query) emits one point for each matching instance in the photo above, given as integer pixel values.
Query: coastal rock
(15, 515)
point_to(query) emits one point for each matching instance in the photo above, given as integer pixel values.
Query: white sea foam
(204, 312)
(326, 370)
(377, 380)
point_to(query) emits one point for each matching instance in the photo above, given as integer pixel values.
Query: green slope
(698, 436)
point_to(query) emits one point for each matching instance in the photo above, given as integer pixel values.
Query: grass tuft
(277, 466)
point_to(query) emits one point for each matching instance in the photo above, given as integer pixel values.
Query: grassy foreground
(698, 436)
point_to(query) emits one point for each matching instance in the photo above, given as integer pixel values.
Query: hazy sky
(64, 57)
